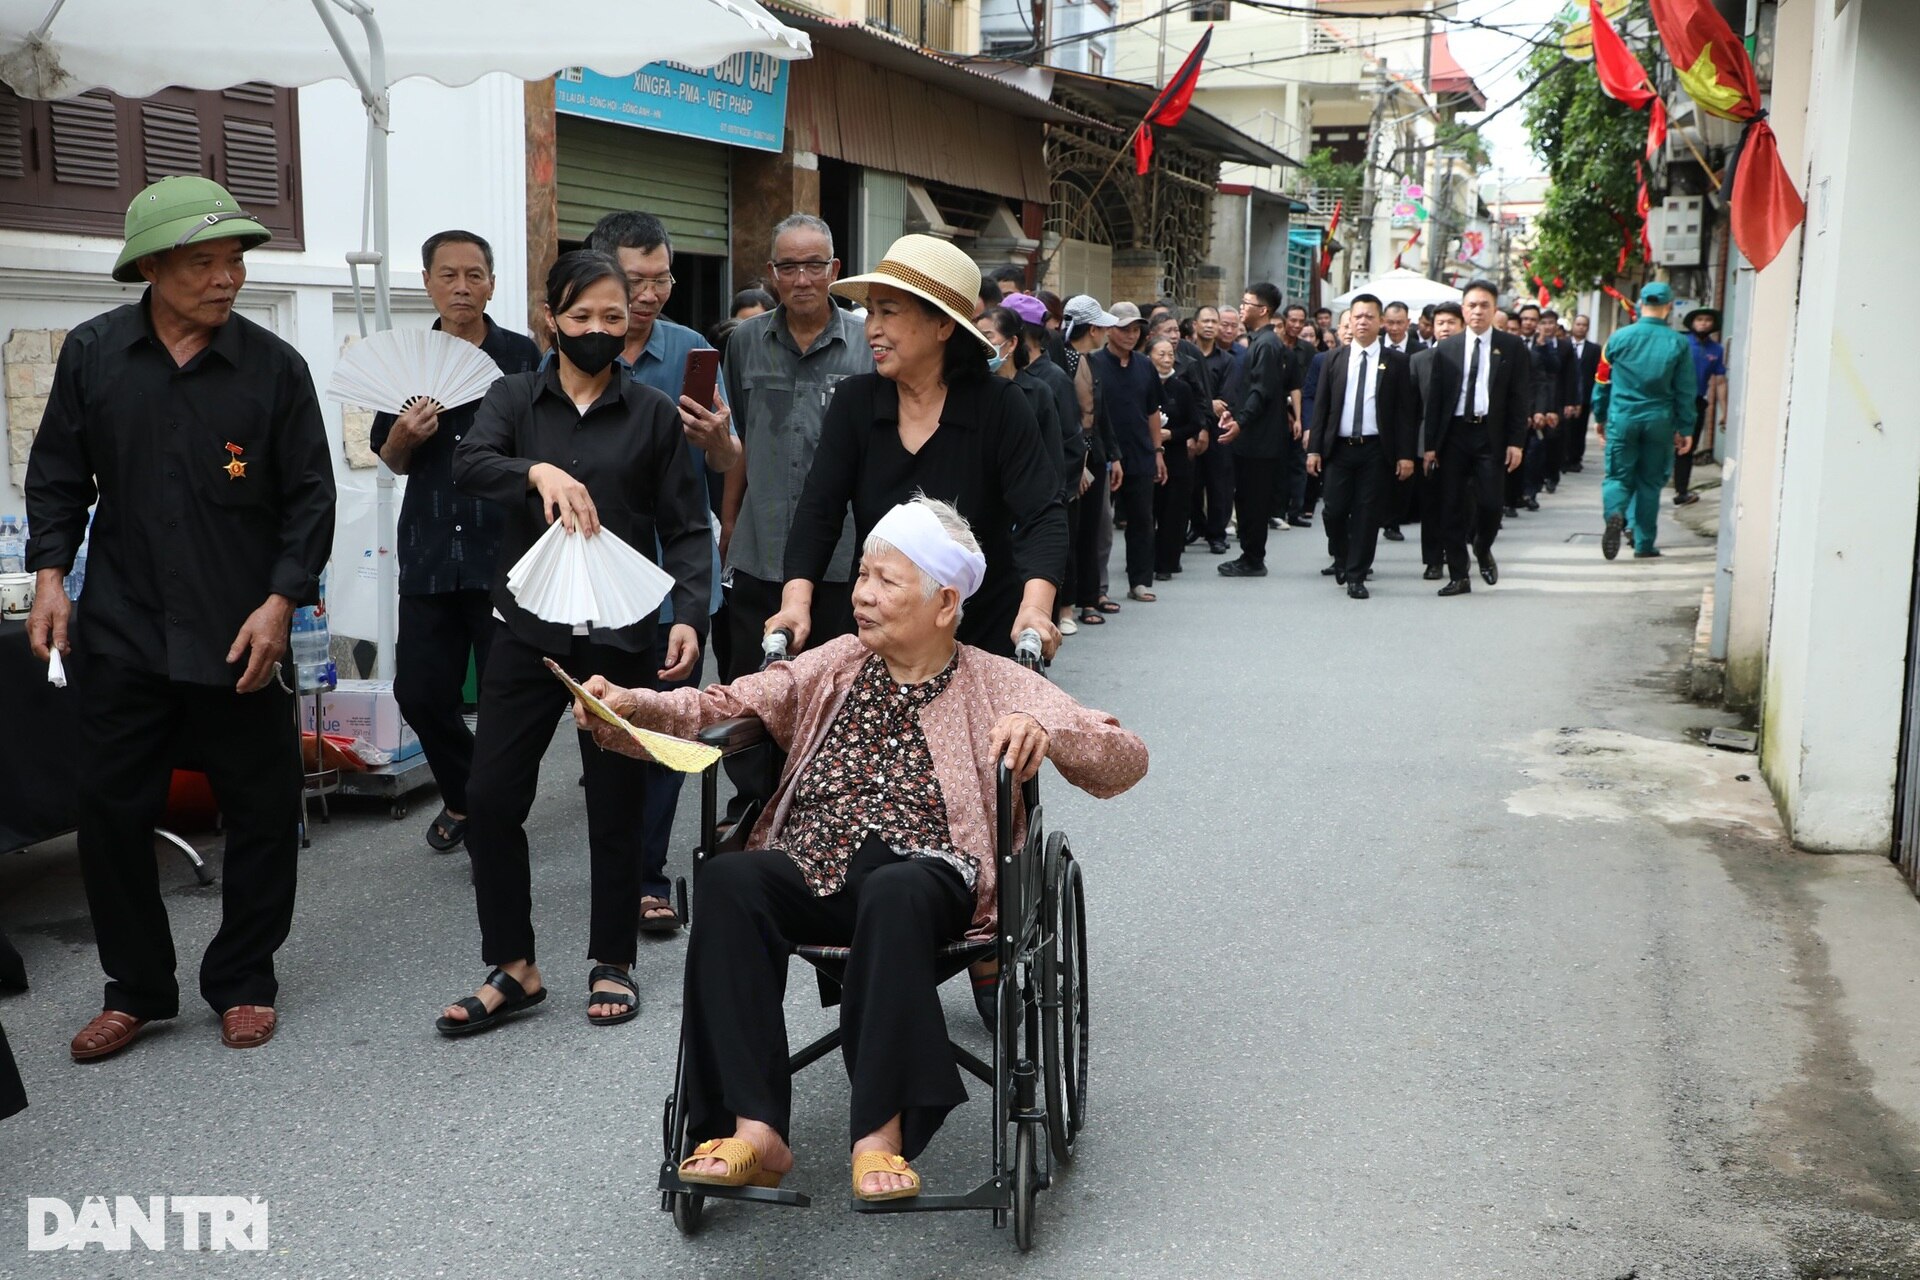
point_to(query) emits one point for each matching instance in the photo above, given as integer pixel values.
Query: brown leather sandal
(248, 1026)
(108, 1033)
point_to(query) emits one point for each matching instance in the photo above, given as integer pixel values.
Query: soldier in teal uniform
(1643, 407)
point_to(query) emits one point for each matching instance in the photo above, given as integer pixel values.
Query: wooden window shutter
(259, 161)
(88, 168)
(75, 164)
(170, 135)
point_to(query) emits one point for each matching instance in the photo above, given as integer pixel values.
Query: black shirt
(215, 484)
(448, 541)
(1266, 406)
(986, 458)
(1130, 394)
(1066, 415)
(628, 450)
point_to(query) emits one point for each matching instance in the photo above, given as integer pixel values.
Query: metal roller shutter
(602, 167)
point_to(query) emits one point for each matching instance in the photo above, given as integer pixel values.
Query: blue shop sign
(742, 102)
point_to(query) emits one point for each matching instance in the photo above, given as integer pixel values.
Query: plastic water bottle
(13, 544)
(312, 644)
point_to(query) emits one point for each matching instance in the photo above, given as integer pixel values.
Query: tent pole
(374, 92)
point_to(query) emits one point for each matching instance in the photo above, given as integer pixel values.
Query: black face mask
(590, 352)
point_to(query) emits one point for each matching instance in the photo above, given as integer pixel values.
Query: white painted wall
(1837, 659)
(1767, 370)
(457, 158)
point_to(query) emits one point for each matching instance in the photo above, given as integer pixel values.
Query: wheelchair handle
(1028, 648)
(775, 645)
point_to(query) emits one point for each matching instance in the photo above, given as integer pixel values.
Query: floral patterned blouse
(873, 774)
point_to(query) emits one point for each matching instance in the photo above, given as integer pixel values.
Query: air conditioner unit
(1678, 228)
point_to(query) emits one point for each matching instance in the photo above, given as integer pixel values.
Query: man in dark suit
(1265, 428)
(1476, 430)
(1403, 503)
(1552, 388)
(1583, 363)
(1364, 436)
(1446, 321)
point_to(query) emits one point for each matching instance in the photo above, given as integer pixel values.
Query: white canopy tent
(1400, 285)
(61, 48)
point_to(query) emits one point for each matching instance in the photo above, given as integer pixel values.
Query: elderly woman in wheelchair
(880, 838)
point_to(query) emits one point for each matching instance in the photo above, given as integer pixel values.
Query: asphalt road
(1355, 1015)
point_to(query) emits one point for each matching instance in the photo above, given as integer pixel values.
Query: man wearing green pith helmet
(198, 434)
(1643, 407)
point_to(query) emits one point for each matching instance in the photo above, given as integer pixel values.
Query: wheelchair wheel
(1026, 1186)
(1063, 972)
(687, 1209)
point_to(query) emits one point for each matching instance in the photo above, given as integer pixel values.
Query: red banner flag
(1170, 106)
(1622, 78)
(1620, 297)
(1412, 240)
(1326, 256)
(1717, 74)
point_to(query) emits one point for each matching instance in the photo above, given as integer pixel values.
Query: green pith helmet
(178, 211)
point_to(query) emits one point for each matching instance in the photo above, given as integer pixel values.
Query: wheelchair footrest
(670, 1181)
(988, 1195)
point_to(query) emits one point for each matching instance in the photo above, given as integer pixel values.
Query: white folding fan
(389, 370)
(575, 580)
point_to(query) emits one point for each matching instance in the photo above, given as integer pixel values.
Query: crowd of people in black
(1227, 424)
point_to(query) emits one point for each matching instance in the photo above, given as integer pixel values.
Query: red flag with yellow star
(1717, 74)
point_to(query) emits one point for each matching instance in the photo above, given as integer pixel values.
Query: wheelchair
(1039, 1069)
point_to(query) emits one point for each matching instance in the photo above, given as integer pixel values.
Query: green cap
(180, 211)
(1657, 294)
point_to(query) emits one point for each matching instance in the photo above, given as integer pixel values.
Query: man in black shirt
(1296, 511)
(1264, 430)
(1130, 395)
(199, 434)
(448, 540)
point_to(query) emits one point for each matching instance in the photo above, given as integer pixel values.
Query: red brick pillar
(543, 200)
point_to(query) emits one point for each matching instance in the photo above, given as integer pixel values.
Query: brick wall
(1139, 275)
(28, 359)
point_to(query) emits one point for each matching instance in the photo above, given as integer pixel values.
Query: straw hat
(927, 268)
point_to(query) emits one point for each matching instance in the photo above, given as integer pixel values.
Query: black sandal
(629, 1004)
(650, 923)
(446, 832)
(1091, 617)
(478, 1017)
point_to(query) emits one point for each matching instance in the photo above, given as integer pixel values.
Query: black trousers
(1472, 485)
(754, 600)
(753, 909)
(520, 702)
(1358, 476)
(1683, 462)
(1170, 504)
(1087, 569)
(1070, 576)
(1136, 508)
(1213, 489)
(437, 632)
(1534, 468)
(13, 1094)
(1256, 484)
(1429, 503)
(663, 785)
(1292, 498)
(1573, 441)
(134, 727)
(755, 774)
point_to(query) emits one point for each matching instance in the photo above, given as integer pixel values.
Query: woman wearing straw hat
(930, 419)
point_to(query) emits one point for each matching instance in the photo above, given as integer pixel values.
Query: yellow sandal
(743, 1165)
(881, 1162)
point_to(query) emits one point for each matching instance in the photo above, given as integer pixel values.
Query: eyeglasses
(657, 285)
(812, 270)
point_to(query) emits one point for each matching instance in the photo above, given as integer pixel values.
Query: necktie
(1473, 377)
(1360, 397)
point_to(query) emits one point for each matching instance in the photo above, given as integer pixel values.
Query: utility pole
(1369, 191)
(1160, 71)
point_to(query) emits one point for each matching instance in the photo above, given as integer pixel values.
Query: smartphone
(702, 373)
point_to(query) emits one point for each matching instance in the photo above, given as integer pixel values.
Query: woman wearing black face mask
(577, 443)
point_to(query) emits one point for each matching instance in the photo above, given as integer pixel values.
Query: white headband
(917, 534)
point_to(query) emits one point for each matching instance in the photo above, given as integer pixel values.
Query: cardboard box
(364, 709)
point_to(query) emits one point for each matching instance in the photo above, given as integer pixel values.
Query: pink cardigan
(798, 700)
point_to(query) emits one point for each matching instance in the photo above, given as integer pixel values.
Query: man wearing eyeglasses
(782, 368)
(656, 354)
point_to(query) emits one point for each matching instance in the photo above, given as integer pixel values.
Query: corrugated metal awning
(851, 109)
